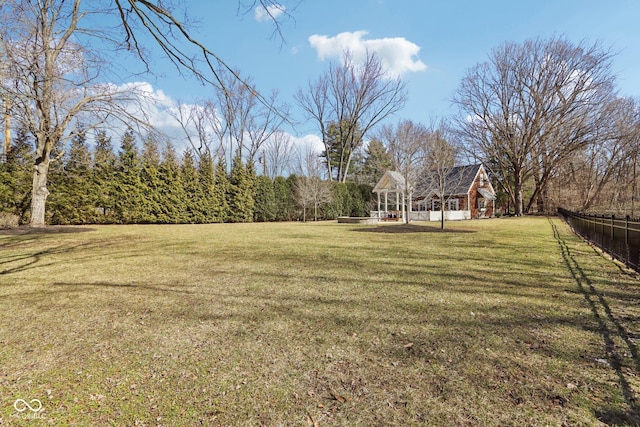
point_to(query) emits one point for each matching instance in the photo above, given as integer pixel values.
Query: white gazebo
(392, 182)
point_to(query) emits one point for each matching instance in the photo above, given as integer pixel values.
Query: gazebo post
(378, 206)
(386, 201)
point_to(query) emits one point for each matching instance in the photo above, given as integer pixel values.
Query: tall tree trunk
(7, 125)
(39, 192)
(519, 194)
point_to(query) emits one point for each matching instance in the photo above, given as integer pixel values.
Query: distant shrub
(8, 220)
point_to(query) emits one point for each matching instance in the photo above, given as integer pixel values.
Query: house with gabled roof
(467, 194)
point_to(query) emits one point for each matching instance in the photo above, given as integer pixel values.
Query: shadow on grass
(29, 261)
(409, 228)
(610, 328)
(52, 229)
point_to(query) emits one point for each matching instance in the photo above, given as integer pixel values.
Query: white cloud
(397, 54)
(310, 142)
(264, 14)
(159, 110)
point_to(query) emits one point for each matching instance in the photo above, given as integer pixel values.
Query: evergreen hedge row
(132, 186)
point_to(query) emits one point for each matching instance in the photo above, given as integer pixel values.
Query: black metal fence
(619, 237)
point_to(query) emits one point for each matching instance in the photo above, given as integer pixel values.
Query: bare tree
(406, 144)
(533, 105)
(245, 122)
(602, 177)
(354, 98)
(278, 154)
(308, 162)
(593, 168)
(54, 76)
(159, 20)
(438, 172)
(310, 190)
(54, 81)
(198, 122)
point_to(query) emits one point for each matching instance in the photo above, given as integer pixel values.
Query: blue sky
(431, 42)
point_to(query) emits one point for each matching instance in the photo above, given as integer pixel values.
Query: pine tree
(130, 203)
(240, 193)
(294, 211)
(265, 200)
(103, 179)
(221, 189)
(151, 181)
(283, 200)
(173, 196)
(70, 201)
(377, 161)
(206, 178)
(192, 189)
(16, 175)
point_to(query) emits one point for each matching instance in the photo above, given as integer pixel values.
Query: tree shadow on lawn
(50, 229)
(32, 260)
(409, 228)
(613, 331)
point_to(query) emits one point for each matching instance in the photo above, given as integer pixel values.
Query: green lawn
(494, 323)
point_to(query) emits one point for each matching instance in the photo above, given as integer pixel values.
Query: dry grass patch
(501, 322)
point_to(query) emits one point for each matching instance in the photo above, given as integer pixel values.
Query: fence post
(613, 220)
(626, 231)
(626, 239)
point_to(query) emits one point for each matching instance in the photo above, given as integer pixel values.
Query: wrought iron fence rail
(619, 237)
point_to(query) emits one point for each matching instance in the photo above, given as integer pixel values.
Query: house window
(435, 205)
(482, 204)
(454, 204)
(481, 180)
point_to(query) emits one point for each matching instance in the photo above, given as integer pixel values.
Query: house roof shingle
(458, 181)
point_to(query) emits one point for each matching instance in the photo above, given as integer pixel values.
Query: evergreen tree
(240, 192)
(359, 199)
(16, 176)
(193, 190)
(265, 200)
(71, 200)
(172, 193)
(212, 198)
(343, 139)
(341, 202)
(283, 200)
(293, 209)
(221, 188)
(130, 203)
(365, 192)
(151, 181)
(377, 161)
(103, 179)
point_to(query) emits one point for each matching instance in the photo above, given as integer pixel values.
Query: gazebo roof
(391, 181)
